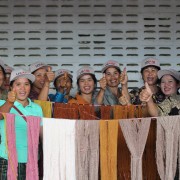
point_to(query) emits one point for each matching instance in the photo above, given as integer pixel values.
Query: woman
(169, 84)
(149, 72)
(86, 82)
(63, 84)
(3, 91)
(110, 93)
(20, 85)
(43, 77)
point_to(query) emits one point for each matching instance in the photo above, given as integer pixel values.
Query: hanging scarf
(87, 150)
(167, 146)
(11, 145)
(135, 132)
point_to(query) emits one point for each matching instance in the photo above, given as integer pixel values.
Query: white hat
(60, 72)
(2, 64)
(150, 62)
(37, 65)
(110, 63)
(171, 72)
(85, 70)
(17, 73)
(8, 69)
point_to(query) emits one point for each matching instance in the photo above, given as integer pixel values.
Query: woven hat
(110, 63)
(18, 73)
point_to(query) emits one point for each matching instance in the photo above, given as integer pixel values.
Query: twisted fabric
(46, 107)
(87, 150)
(33, 125)
(11, 146)
(167, 146)
(108, 149)
(135, 133)
(59, 149)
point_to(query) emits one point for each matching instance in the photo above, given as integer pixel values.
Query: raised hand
(123, 77)
(11, 98)
(103, 82)
(146, 93)
(50, 75)
(123, 99)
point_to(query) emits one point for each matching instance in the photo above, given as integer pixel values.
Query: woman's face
(86, 84)
(21, 87)
(168, 85)
(112, 76)
(149, 75)
(40, 76)
(1, 77)
(63, 85)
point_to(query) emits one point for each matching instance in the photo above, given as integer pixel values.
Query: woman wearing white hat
(86, 82)
(63, 84)
(3, 91)
(169, 84)
(110, 92)
(17, 103)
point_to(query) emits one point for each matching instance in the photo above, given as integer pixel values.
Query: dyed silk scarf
(59, 149)
(135, 132)
(87, 150)
(108, 149)
(167, 146)
(11, 146)
(33, 125)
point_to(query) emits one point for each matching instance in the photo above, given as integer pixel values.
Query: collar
(16, 103)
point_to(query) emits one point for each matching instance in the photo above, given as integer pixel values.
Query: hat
(110, 63)
(171, 72)
(60, 72)
(2, 64)
(37, 65)
(15, 74)
(8, 69)
(85, 70)
(150, 62)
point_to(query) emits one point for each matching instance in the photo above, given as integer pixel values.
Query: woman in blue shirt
(20, 86)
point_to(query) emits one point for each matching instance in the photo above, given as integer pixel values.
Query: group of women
(159, 94)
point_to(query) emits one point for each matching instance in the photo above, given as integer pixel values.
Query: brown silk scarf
(66, 111)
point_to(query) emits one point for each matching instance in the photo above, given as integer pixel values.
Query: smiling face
(149, 75)
(169, 85)
(40, 76)
(2, 77)
(21, 87)
(86, 84)
(112, 76)
(63, 85)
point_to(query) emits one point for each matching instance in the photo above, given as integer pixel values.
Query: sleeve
(58, 97)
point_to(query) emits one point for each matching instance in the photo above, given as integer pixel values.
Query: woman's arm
(5, 108)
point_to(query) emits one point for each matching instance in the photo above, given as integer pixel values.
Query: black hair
(118, 69)
(158, 68)
(54, 83)
(94, 79)
(12, 82)
(3, 70)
